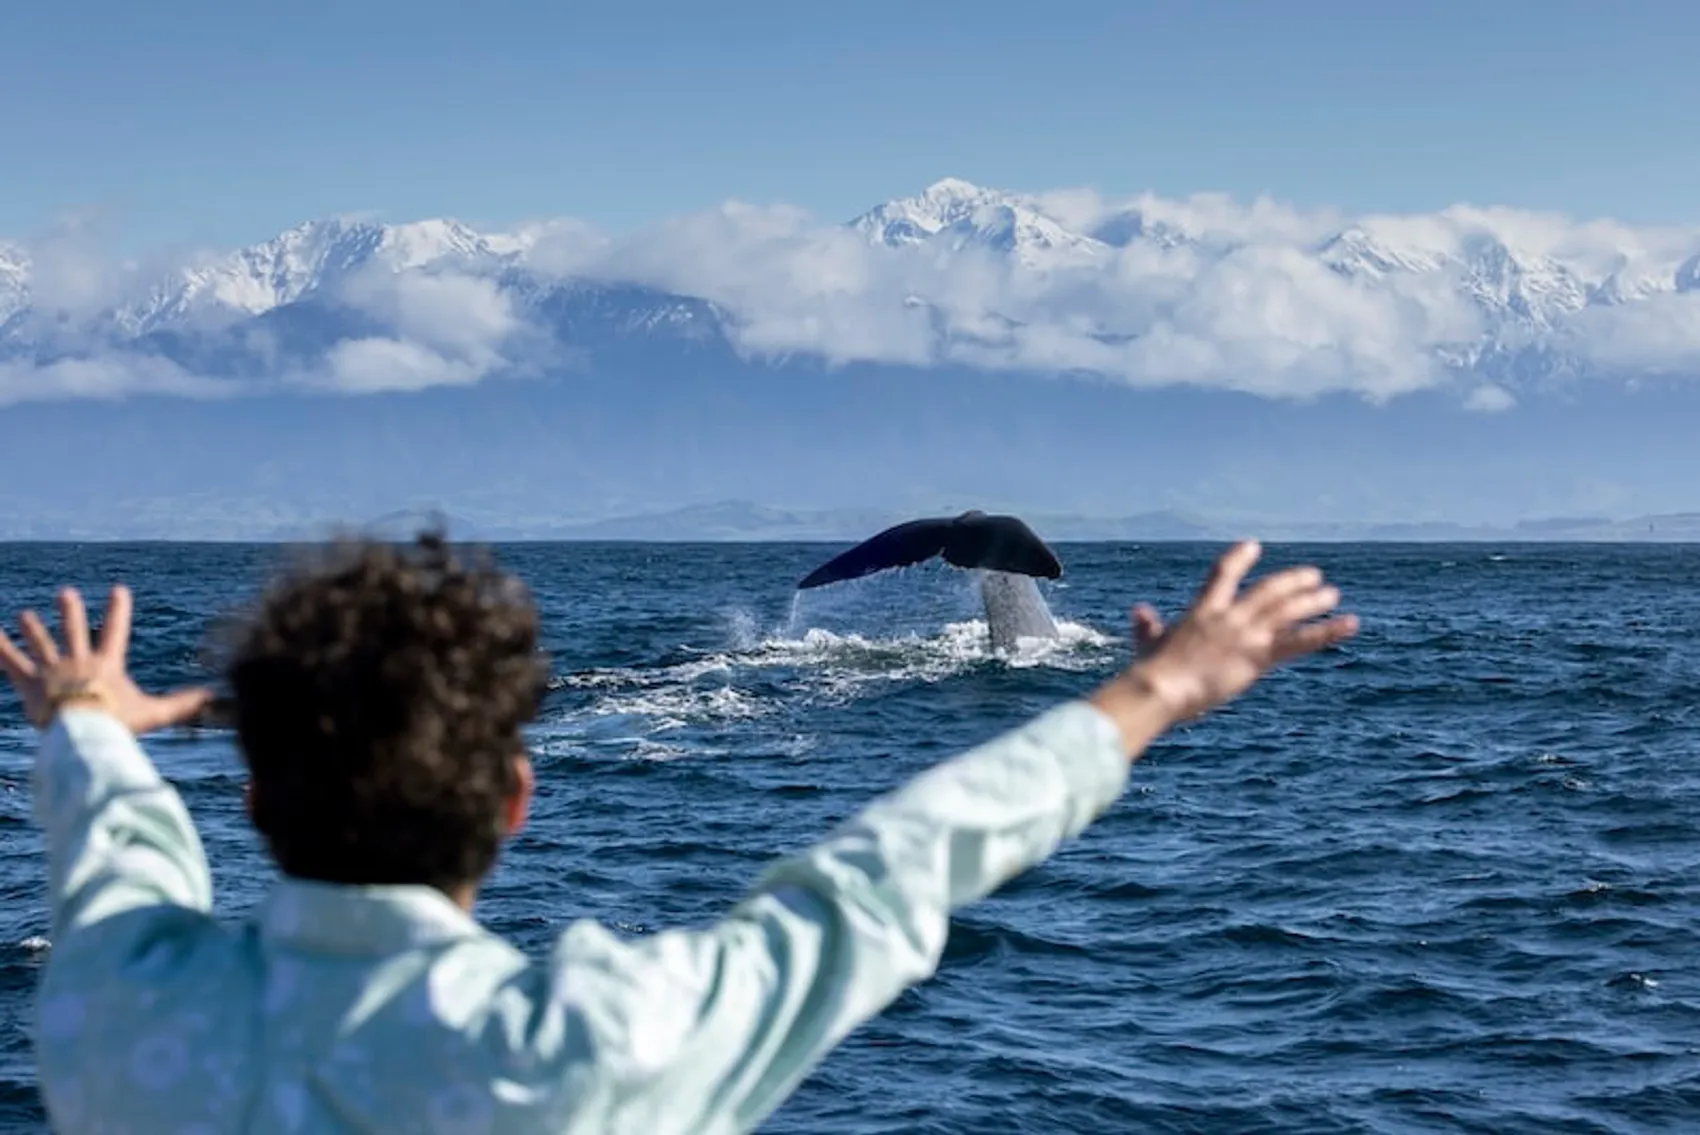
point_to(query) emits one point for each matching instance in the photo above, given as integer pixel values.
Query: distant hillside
(739, 521)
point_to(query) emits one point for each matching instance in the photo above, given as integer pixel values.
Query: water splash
(758, 675)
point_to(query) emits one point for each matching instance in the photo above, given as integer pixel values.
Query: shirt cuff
(87, 751)
(1087, 744)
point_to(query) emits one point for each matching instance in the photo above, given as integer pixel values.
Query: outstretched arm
(118, 837)
(710, 1030)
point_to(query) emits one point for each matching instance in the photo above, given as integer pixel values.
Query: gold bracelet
(80, 692)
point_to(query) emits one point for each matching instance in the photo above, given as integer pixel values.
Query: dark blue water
(1443, 880)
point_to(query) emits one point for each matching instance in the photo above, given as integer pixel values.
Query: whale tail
(1014, 610)
(971, 540)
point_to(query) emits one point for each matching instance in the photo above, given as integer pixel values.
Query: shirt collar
(361, 920)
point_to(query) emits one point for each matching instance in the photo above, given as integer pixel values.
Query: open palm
(1228, 639)
(48, 678)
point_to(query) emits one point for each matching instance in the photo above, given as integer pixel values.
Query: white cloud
(1262, 316)
(70, 274)
(368, 366)
(449, 330)
(458, 312)
(103, 377)
(788, 283)
(1490, 399)
(1659, 335)
(1259, 297)
(562, 247)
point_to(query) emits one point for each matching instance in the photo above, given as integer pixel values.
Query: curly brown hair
(378, 697)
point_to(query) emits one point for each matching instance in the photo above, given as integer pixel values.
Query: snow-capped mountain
(1152, 290)
(953, 215)
(307, 259)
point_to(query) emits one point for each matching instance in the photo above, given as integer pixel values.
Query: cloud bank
(1210, 292)
(449, 329)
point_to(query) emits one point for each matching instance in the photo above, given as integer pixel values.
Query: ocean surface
(1445, 879)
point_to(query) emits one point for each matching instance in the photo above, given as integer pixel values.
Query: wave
(760, 674)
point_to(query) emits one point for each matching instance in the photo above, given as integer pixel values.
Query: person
(378, 702)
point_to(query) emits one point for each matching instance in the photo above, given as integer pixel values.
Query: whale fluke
(1007, 552)
(971, 540)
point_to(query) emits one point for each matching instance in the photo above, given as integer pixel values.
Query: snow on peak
(1500, 266)
(14, 282)
(959, 214)
(305, 259)
(948, 188)
(1093, 275)
(421, 244)
(1360, 251)
(256, 279)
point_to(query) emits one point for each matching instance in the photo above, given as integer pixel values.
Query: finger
(115, 628)
(40, 642)
(1278, 587)
(74, 622)
(1302, 607)
(15, 661)
(174, 708)
(1313, 637)
(1147, 621)
(1225, 576)
(1147, 627)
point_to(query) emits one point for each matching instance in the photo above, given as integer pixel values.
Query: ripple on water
(1442, 880)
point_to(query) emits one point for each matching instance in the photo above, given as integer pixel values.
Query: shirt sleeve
(710, 1030)
(118, 836)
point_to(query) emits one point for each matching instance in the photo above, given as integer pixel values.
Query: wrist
(1137, 702)
(79, 694)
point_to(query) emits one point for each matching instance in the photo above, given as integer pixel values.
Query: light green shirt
(387, 1009)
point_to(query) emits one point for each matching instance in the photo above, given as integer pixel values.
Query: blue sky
(220, 123)
(1264, 364)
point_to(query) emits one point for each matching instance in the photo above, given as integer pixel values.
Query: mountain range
(1043, 282)
(745, 522)
(740, 521)
(1054, 353)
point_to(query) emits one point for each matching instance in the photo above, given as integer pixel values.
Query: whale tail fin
(972, 540)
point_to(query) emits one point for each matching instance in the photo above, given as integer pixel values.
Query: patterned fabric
(388, 1009)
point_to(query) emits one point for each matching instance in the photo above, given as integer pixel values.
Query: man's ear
(519, 804)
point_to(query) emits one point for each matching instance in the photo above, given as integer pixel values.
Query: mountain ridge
(1148, 290)
(746, 522)
(1200, 355)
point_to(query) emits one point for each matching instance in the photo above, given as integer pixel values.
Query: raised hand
(1227, 640)
(48, 679)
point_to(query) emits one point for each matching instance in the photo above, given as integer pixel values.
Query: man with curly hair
(378, 700)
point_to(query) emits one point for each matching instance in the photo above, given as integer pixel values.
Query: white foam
(678, 706)
(830, 665)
